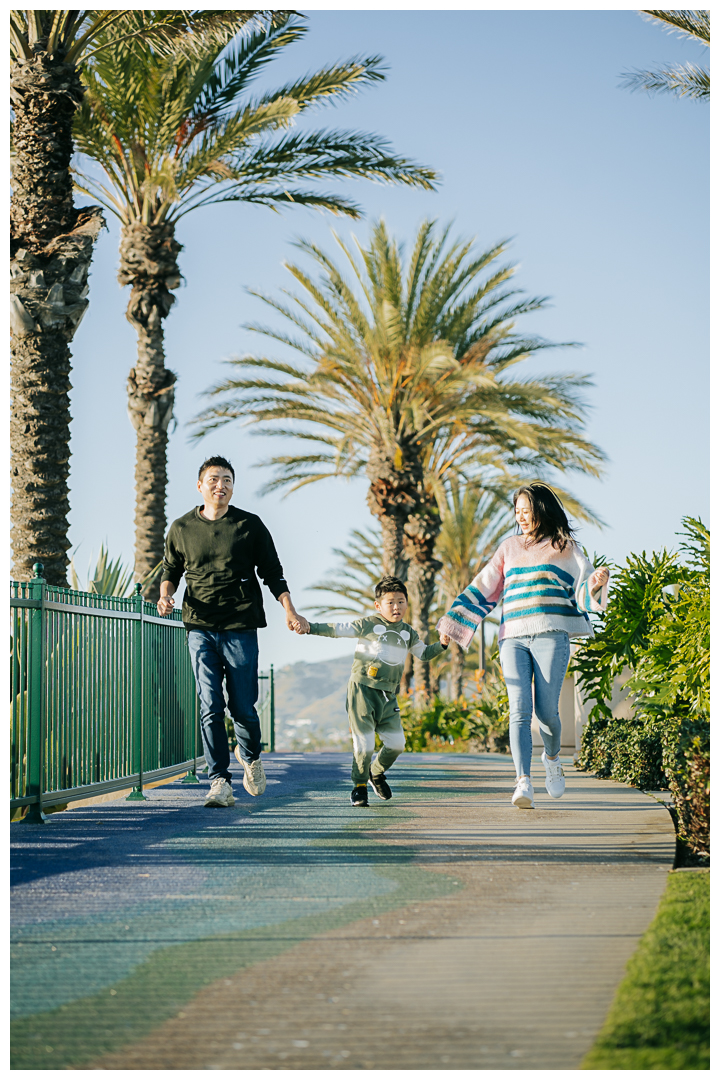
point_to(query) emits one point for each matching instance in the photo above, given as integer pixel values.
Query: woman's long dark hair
(548, 514)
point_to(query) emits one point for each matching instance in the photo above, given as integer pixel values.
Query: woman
(547, 587)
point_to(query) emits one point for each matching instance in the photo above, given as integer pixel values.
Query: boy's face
(392, 606)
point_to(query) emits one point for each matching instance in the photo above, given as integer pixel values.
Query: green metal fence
(102, 696)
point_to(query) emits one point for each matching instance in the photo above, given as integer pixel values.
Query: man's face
(216, 486)
(392, 606)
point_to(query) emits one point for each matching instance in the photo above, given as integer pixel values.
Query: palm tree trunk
(51, 246)
(457, 667)
(148, 262)
(421, 532)
(395, 479)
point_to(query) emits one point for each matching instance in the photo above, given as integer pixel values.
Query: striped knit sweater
(540, 589)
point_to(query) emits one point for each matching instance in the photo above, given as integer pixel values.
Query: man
(218, 547)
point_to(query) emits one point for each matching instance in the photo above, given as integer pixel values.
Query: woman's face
(523, 515)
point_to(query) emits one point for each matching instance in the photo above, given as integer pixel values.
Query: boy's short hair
(390, 584)
(218, 462)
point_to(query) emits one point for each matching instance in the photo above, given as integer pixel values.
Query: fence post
(138, 671)
(36, 700)
(272, 708)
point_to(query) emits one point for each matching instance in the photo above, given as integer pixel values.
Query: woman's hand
(444, 639)
(599, 578)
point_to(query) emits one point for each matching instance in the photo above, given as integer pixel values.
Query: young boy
(384, 642)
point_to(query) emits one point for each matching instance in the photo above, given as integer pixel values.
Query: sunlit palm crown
(177, 128)
(413, 358)
(78, 36)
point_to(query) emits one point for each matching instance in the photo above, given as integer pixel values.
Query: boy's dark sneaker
(380, 786)
(359, 795)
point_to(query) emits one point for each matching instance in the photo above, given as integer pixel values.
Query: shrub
(657, 624)
(479, 723)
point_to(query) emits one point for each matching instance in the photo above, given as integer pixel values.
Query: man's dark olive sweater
(218, 559)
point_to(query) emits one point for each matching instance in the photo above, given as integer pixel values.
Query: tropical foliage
(682, 80)
(406, 375)
(177, 129)
(480, 723)
(657, 629)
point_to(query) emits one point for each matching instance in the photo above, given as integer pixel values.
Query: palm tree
(405, 376)
(175, 131)
(683, 80)
(51, 246)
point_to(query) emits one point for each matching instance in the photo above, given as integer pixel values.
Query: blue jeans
(543, 658)
(230, 656)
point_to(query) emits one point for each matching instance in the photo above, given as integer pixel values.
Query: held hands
(296, 622)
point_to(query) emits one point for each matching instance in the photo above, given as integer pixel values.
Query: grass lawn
(660, 1018)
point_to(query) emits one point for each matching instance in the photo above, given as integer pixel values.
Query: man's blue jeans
(230, 656)
(542, 659)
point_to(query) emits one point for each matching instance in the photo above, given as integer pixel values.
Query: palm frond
(168, 117)
(683, 80)
(692, 24)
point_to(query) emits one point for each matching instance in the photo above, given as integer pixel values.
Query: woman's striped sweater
(540, 589)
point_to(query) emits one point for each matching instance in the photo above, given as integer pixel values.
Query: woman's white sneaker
(554, 777)
(523, 794)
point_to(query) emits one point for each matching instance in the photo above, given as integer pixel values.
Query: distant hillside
(310, 704)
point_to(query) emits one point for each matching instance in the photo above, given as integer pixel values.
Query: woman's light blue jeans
(542, 659)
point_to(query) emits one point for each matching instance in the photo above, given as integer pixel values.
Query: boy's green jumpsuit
(374, 681)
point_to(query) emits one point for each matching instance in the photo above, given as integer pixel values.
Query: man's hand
(166, 602)
(295, 622)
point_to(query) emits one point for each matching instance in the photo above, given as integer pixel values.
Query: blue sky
(605, 196)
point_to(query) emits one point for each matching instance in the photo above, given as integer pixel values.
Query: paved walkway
(444, 929)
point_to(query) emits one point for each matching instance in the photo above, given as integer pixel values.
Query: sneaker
(554, 777)
(254, 779)
(359, 795)
(523, 794)
(380, 786)
(220, 793)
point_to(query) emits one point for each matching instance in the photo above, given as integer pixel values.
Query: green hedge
(657, 625)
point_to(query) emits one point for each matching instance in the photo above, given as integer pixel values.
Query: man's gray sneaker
(220, 793)
(254, 779)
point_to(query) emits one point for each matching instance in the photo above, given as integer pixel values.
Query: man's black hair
(390, 584)
(219, 462)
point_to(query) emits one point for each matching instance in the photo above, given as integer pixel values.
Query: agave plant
(109, 578)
